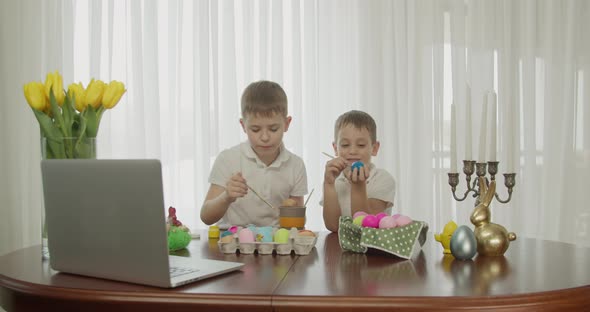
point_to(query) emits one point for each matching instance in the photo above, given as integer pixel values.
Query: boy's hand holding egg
(357, 165)
(358, 172)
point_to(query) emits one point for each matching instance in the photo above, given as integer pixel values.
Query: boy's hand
(333, 169)
(357, 175)
(236, 187)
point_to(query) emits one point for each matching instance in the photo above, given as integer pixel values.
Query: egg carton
(301, 245)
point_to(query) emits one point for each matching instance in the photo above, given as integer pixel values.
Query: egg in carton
(266, 240)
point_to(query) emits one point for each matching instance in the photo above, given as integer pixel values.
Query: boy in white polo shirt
(262, 163)
(367, 188)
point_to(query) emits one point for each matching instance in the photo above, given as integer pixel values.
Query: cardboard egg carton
(301, 245)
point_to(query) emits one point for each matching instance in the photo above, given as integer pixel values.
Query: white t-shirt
(380, 185)
(285, 177)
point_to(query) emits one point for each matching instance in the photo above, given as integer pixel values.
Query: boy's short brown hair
(360, 120)
(264, 98)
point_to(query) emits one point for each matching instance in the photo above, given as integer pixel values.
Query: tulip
(54, 82)
(73, 114)
(112, 94)
(77, 90)
(35, 95)
(94, 93)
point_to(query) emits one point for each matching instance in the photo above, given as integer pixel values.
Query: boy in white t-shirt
(262, 163)
(365, 188)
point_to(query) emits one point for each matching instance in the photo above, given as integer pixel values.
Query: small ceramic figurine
(444, 238)
(178, 235)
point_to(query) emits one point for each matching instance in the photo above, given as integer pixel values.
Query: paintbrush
(256, 193)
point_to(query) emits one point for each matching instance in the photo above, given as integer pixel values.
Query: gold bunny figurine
(492, 239)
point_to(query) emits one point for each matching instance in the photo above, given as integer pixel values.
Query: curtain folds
(185, 64)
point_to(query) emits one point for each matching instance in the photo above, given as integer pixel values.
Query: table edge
(157, 296)
(577, 297)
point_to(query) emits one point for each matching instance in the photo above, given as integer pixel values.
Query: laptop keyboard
(177, 271)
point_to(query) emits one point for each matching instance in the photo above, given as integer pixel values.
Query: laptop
(106, 218)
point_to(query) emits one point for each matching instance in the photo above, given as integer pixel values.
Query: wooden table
(533, 275)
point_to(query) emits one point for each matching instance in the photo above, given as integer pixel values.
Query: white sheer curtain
(185, 64)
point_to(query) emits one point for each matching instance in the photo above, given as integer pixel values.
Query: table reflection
(475, 277)
(374, 273)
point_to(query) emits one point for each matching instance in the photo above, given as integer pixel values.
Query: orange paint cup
(292, 216)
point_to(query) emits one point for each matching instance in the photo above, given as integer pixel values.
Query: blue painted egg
(357, 164)
(463, 243)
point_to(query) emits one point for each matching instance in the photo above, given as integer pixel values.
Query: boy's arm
(358, 190)
(382, 192)
(219, 198)
(332, 210)
(216, 203)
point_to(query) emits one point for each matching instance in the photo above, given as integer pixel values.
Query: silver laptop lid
(105, 218)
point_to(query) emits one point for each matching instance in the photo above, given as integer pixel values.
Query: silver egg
(463, 243)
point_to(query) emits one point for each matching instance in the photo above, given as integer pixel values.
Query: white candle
(468, 125)
(453, 140)
(513, 133)
(482, 131)
(493, 128)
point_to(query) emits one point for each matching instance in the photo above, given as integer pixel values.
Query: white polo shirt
(380, 185)
(285, 177)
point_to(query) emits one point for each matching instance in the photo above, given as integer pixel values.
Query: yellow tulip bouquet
(69, 120)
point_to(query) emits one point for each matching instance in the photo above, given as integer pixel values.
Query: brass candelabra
(492, 239)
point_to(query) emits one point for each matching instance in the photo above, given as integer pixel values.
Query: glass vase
(63, 148)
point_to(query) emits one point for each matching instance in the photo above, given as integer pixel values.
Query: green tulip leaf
(69, 112)
(48, 128)
(91, 118)
(57, 114)
(55, 147)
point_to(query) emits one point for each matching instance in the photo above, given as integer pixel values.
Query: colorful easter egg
(357, 165)
(233, 229)
(226, 233)
(381, 215)
(264, 234)
(371, 221)
(306, 233)
(227, 239)
(281, 236)
(463, 243)
(358, 220)
(246, 236)
(387, 222)
(359, 213)
(403, 220)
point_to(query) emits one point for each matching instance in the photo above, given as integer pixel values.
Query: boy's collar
(247, 150)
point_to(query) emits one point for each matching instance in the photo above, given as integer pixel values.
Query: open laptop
(106, 218)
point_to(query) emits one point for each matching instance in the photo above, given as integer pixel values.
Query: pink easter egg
(397, 215)
(371, 221)
(358, 213)
(381, 215)
(387, 222)
(246, 236)
(403, 220)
